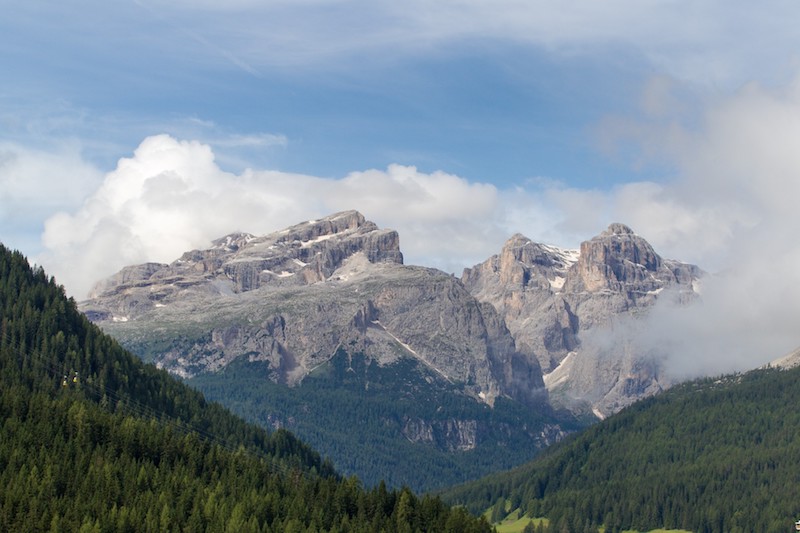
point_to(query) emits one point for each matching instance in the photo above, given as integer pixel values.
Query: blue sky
(133, 131)
(485, 107)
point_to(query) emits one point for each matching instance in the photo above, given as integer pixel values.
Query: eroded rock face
(295, 297)
(550, 298)
(618, 260)
(790, 360)
(300, 255)
(450, 434)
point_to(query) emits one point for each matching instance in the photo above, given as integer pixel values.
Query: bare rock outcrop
(532, 322)
(295, 297)
(551, 298)
(240, 262)
(451, 434)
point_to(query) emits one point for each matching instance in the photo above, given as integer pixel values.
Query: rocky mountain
(296, 305)
(554, 300)
(328, 309)
(95, 440)
(293, 298)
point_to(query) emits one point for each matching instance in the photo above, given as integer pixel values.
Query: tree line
(95, 440)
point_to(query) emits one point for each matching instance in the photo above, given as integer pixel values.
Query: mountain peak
(617, 228)
(521, 263)
(308, 252)
(342, 222)
(616, 256)
(296, 296)
(549, 296)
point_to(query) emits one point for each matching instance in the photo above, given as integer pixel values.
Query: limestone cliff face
(533, 318)
(300, 255)
(790, 360)
(451, 434)
(620, 261)
(295, 297)
(524, 283)
(552, 298)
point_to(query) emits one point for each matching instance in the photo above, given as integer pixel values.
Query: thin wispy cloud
(195, 36)
(252, 140)
(711, 42)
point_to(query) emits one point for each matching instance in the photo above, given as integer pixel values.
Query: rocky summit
(295, 297)
(553, 300)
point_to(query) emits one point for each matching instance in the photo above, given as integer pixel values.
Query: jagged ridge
(549, 297)
(293, 297)
(296, 298)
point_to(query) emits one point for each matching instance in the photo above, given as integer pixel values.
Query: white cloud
(732, 207)
(443, 220)
(26, 175)
(253, 140)
(171, 197)
(36, 182)
(678, 227)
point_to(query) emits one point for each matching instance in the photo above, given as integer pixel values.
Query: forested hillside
(94, 440)
(717, 455)
(388, 423)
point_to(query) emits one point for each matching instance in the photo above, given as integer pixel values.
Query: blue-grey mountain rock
(295, 297)
(559, 303)
(535, 323)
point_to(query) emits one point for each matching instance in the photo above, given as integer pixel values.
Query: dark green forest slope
(717, 455)
(94, 440)
(356, 411)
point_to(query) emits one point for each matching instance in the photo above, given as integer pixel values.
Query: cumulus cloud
(23, 170)
(35, 182)
(171, 196)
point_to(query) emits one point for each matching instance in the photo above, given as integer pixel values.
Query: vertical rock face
(294, 297)
(524, 283)
(451, 434)
(617, 259)
(552, 298)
